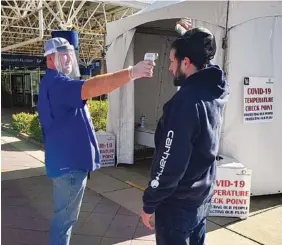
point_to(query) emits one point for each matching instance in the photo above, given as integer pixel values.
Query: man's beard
(67, 70)
(179, 77)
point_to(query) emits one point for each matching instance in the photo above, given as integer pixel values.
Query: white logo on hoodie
(155, 182)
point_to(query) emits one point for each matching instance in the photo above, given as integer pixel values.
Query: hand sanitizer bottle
(142, 121)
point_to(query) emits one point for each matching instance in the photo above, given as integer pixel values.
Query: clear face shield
(65, 61)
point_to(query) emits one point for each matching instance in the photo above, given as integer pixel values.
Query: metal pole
(225, 41)
(10, 72)
(225, 54)
(31, 89)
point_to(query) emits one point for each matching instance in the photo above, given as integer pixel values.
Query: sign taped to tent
(258, 99)
(232, 192)
(106, 142)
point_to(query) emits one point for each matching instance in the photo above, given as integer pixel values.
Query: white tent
(254, 37)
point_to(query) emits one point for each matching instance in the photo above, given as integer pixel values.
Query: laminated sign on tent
(249, 37)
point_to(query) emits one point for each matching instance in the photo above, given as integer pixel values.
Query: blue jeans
(68, 192)
(181, 226)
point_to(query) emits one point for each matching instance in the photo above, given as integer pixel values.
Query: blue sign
(39, 61)
(21, 60)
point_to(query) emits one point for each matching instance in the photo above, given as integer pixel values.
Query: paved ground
(105, 217)
(14, 160)
(27, 209)
(19, 158)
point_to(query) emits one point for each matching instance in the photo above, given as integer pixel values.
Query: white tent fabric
(120, 121)
(210, 12)
(244, 11)
(254, 49)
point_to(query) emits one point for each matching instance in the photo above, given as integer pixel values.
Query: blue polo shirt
(68, 132)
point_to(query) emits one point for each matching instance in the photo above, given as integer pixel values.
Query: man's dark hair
(197, 44)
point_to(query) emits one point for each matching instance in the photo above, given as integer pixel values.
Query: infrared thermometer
(151, 56)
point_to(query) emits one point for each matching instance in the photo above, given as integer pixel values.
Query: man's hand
(146, 218)
(142, 69)
(186, 23)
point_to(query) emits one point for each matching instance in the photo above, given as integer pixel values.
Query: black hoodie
(187, 141)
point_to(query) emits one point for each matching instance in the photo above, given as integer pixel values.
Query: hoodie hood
(211, 78)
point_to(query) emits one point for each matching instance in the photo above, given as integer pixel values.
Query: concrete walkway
(110, 208)
(27, 207)
(20, 159)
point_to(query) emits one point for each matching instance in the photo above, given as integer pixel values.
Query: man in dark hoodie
(186, 143)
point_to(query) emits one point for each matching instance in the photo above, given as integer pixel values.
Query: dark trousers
(181, 226)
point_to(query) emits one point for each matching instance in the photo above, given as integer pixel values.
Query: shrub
(35, 129)
(29, 123)
(21, 122)
(98, 111)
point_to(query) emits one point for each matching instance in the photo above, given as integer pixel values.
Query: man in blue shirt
(71, 148)
(187, 142)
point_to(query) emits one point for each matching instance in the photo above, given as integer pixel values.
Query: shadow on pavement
(27, 210)
(261, 204)
(22, 173)
(22, 220)
(18, 146)
(8, 147)
(15, 164)
(258, 204)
